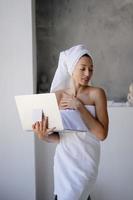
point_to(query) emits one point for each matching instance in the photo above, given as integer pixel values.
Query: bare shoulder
(98, 94)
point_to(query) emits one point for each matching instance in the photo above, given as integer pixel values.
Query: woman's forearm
(92, 124)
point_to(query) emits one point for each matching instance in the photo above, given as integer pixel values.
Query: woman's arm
(98, 125)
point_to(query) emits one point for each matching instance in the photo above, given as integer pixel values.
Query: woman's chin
(84, 84)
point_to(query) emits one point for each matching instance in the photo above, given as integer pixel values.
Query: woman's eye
(91, 70)
(82, 69)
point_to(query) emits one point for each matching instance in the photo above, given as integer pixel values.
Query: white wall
(115, 181)
(44, 170)
(17, 162)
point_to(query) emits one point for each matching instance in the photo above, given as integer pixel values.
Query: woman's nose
(87, 72)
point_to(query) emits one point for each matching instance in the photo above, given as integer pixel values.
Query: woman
(78, 151)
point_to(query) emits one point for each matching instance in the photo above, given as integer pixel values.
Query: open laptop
(31, 107)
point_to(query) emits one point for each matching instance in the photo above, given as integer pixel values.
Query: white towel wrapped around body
(76, 159)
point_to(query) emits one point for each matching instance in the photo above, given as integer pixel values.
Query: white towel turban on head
(67, 61)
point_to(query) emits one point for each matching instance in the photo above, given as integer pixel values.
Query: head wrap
(67, 61)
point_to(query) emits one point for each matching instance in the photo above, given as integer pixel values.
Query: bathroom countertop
(118, 104)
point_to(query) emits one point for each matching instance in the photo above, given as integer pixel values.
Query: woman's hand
(70, 102)
(41, 128)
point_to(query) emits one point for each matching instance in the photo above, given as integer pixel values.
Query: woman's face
(83, 71)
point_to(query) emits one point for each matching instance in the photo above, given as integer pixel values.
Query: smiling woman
(77, 154)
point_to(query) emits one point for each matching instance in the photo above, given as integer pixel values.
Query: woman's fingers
(33, 126)
(38, 126)
(50, 131)
(45, 124)
(42, 125)
(41, 128)
(63, 104)
(68, 104)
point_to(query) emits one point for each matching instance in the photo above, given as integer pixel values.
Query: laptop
(32, 107)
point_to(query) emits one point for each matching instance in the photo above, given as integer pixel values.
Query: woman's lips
(85, 79)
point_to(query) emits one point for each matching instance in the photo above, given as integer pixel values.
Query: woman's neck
(74, 87)
(75, 90)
